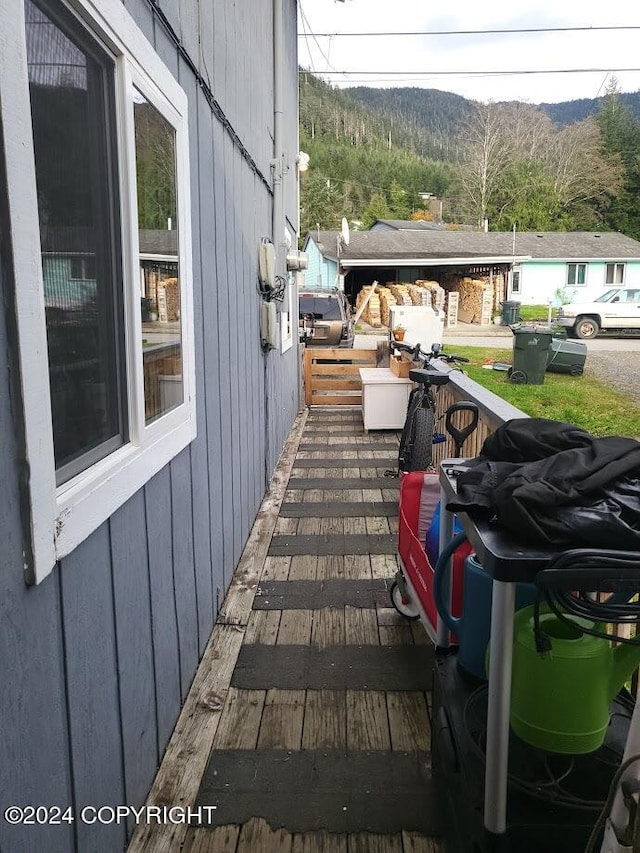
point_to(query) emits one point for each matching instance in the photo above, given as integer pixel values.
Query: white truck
(618, 308)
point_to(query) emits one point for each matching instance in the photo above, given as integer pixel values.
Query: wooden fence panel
(332, 376)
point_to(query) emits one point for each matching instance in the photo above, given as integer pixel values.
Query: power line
(471, 73)
(477, 32)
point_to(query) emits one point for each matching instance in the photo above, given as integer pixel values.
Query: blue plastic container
(432, 544)
(473, 628)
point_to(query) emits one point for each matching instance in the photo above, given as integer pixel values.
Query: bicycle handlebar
(436, 352)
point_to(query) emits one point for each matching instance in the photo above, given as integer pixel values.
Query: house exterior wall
(540, 281)
(97, 659)
(320, 271)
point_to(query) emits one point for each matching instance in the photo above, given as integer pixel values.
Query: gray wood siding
(97, 660)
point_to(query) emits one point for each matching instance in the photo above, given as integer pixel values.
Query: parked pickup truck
(617, 308)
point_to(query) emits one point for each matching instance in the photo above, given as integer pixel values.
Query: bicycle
(415, 452)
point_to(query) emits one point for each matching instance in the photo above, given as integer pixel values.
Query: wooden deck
(253, 701)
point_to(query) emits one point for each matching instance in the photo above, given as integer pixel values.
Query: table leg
(618, 822)
(443, 636)
(501, 654)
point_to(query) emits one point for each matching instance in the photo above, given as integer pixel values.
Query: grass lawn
(540, 313)
(579, 400)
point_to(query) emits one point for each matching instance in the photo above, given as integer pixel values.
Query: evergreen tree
(620, 132)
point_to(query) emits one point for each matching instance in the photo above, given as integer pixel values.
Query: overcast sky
(607, 50)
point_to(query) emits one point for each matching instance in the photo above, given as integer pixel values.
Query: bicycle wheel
(421, 451)
(404, 449)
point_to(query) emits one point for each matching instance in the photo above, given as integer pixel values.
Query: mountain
(438, 112)
(568, 112)
(383, 153)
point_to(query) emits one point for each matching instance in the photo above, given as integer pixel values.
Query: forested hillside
(377, 154)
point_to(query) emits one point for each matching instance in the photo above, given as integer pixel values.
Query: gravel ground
(619, 369)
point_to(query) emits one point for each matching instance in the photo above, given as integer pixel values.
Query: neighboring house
(531, 267)
(142, 166)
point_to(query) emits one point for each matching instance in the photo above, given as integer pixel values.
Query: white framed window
(515, 280)
(614, 274)
(97, 176)
(577, 275)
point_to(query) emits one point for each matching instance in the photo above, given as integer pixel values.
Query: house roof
(407, 225)
(411, 248)
(81, 240)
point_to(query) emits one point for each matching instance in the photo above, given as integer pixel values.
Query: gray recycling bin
(530, 354)
(566, 356)
(510, 312)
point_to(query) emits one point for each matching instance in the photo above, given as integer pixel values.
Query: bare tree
(487, 151)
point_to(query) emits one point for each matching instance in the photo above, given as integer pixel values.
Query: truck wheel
(586, 327)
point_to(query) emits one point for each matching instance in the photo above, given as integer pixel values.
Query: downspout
(277, 214)
(277, 164)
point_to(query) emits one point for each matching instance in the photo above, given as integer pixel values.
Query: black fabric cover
(553, 484)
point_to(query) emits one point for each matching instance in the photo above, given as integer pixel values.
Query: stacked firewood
(470, 291)
(371, 313)
(387, 301)
(400, 292)
(436, 293)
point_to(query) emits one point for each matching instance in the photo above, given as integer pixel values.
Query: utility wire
(477, 32)
(305, 21)
(471, 73)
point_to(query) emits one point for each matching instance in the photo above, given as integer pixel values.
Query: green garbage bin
(510, 312)
(530, 354)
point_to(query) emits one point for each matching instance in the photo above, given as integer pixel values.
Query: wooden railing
(493, 411)
(332, 375)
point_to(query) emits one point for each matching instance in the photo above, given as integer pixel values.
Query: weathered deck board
(328, 628)
(367, 721)
(185, 760)
(295, 628)
(281, 726)
(325, 720)
(361, 626)
(409, 721)
(240, 722)
(220, 839)
(262, 627)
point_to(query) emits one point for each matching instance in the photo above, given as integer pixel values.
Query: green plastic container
(566, 357)
(560, 700)
(530, 354)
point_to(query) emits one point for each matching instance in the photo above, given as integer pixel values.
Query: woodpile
(434, 291)
(371, 313)
(421, 292)
(470, 291)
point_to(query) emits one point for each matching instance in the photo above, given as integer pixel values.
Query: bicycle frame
(415, 450)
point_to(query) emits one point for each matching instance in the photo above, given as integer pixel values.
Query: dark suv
(325, 317)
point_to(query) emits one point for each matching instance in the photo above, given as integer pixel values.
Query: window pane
(619, 273)
(571, 274)
(159, 272)
(71, 90)
(582, 273)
